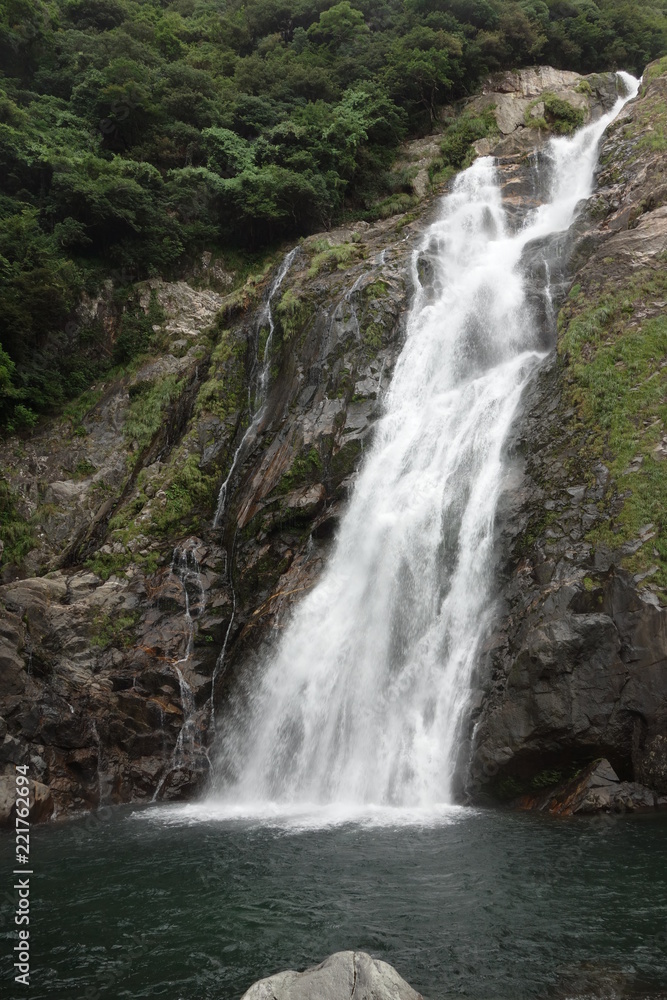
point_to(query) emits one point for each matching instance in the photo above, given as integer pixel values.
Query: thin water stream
(266, 320)
(186, 568)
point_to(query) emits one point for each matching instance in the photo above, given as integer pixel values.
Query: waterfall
(262, 383)
(362, 702)
(186, 567)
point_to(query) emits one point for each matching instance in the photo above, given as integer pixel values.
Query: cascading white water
(363, 700)
(186, 568)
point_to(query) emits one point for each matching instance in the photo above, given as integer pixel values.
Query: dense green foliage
(134, 132)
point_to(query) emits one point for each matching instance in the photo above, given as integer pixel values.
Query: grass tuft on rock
(16, 533)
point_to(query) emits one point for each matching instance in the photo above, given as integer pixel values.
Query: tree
(420, 67)
(338, 28)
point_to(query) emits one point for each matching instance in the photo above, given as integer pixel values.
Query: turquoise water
(488, 905)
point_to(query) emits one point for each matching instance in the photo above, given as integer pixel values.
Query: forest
(136, 133)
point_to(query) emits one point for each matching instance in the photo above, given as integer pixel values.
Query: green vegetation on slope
(559, 116)
(134, 133)
(456, 147)
(617, 379)
(16, 534)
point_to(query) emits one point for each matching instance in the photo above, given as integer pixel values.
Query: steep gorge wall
(577, 669)
(112, 669)
(113, 681)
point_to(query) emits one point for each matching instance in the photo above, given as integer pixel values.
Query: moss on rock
(223, 394)
(615, 346)
(559, 115)
(16, 533)
(293, 313)
(146, 411)
(304, 470)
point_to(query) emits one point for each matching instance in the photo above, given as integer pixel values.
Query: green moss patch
(224, 392)
(16, 533)
(190, 494)
(146, 411)
(616, 377)
(374, 322)
(456, 148)
(331, 257)
(293, 313)
(245, 297)
(305, 470)
(106, 564)
(79, 408)
(346, 460)
(114, 630)
(648, 125)
(559, 115)
(656, 69)
(395, 204)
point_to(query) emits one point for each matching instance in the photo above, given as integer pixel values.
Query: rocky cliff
(577, 669)
(157, 534)
(174, 514)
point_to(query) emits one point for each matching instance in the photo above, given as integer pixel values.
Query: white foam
(303, 817)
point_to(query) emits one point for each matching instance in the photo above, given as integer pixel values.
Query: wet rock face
(577, 668)
(520, 149)
(97, 709)
(115, 672)
(294, 471)
(342, 976)
(526, 105)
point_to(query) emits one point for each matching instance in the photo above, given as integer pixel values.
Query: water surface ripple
(487, 906)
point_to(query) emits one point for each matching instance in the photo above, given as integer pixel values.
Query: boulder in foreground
(347, 975)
